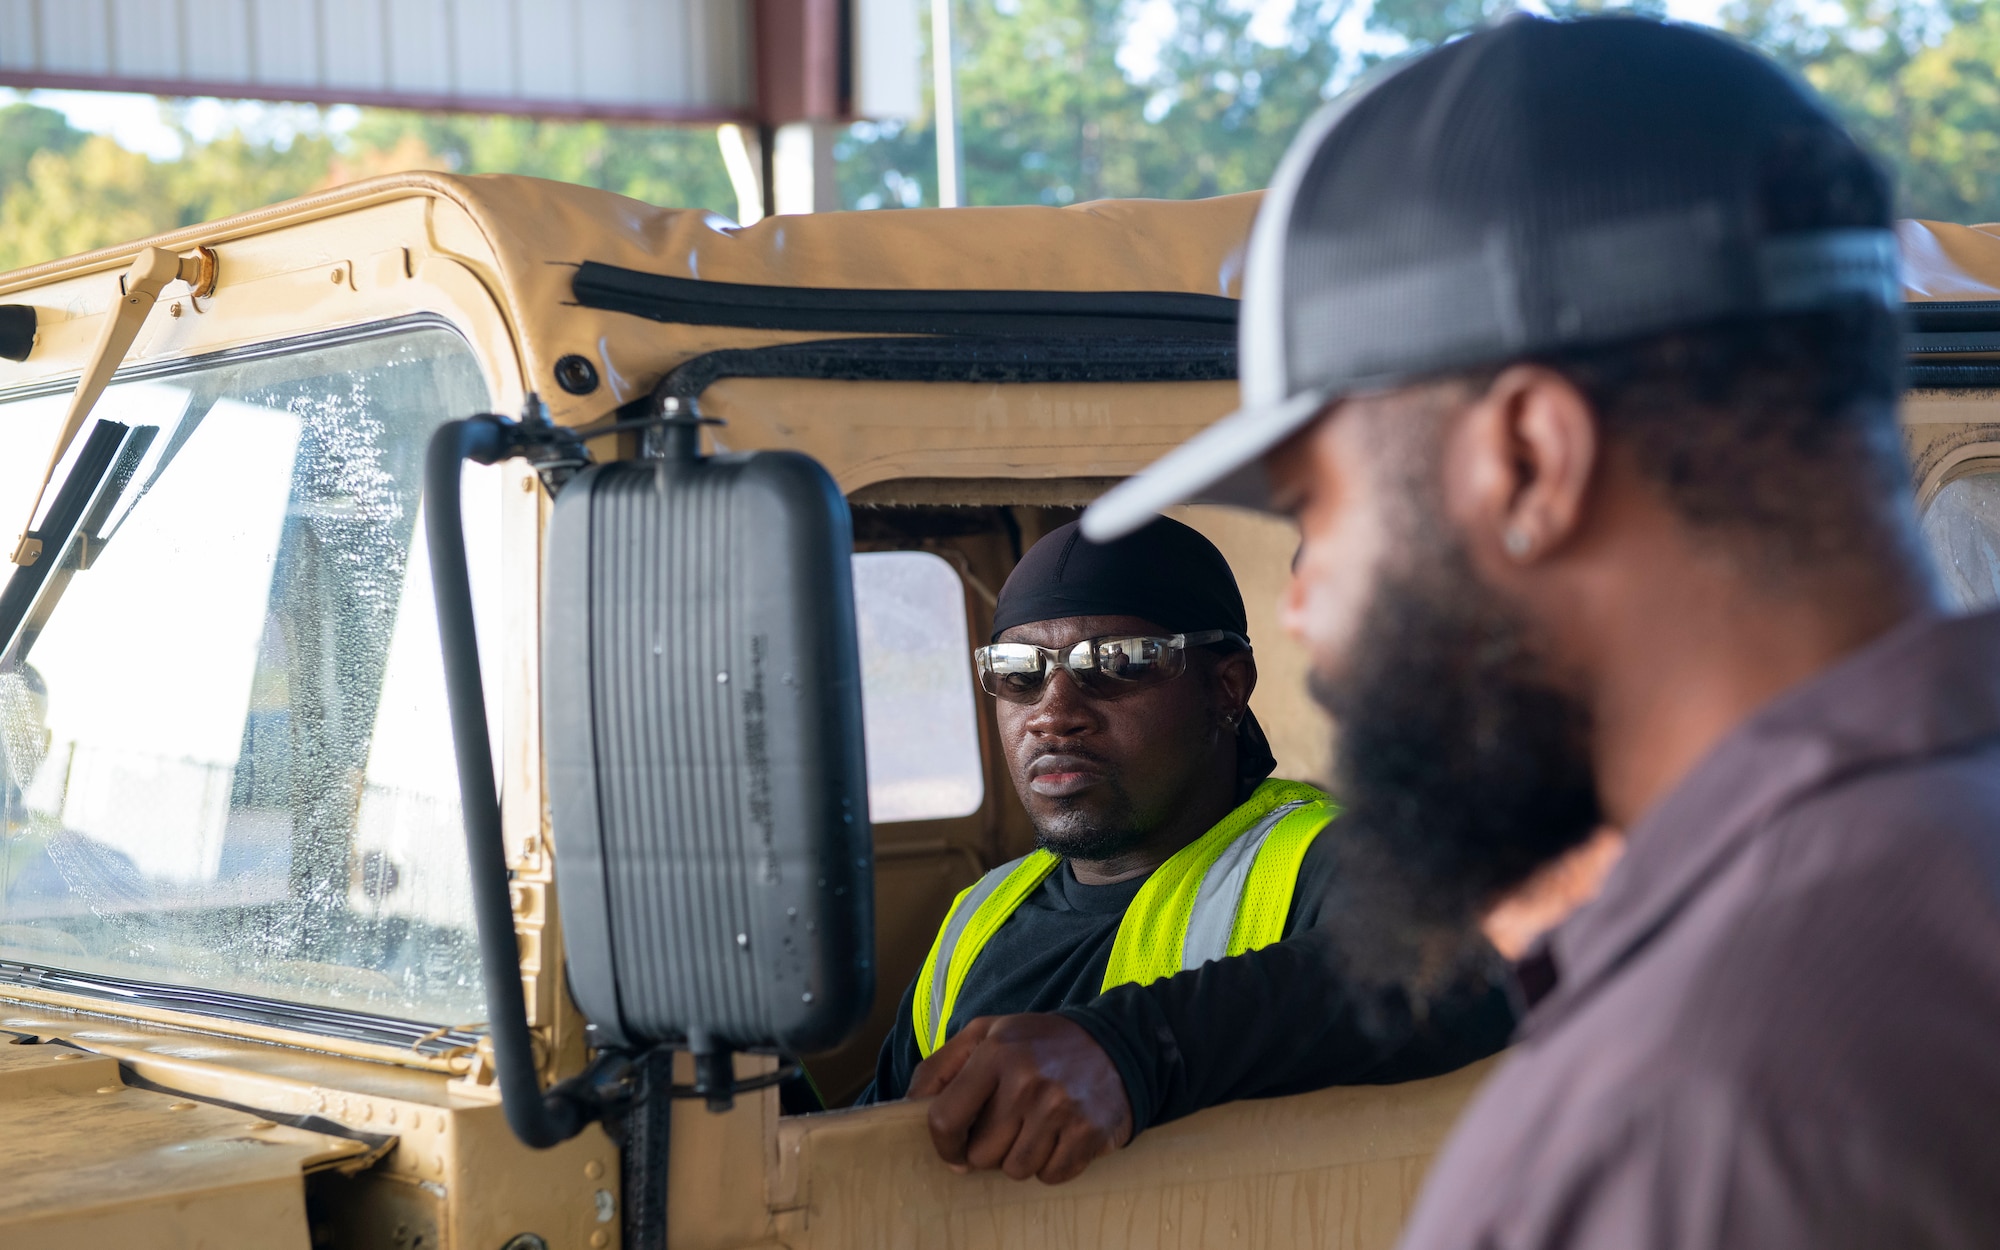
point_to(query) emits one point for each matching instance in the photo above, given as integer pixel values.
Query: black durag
(1165, 573)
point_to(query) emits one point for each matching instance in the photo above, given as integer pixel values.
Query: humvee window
(916, 688)
(1962, 528)
(226, 757)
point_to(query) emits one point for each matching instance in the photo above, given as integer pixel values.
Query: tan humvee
(235, 951)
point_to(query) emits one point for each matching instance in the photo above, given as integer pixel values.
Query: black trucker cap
(1535, 186)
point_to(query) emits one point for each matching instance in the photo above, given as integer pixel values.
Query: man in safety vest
(1122, 675)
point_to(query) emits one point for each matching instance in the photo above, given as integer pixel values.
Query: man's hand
(1032, 1095)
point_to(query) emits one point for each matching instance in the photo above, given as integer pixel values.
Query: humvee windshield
(225, 755)
(225, 758)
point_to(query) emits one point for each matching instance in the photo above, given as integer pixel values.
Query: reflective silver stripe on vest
(1221, 892)
(954, 928)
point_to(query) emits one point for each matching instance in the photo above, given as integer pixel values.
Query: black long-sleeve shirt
(1280, 1020)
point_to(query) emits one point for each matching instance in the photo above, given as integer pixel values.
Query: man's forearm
(1280, 1020)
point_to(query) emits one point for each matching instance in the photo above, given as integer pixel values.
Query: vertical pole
(743, 156)
(944, 105)
(767, 165)
(803, 174)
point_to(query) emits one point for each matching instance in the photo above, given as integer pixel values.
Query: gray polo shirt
(1779, 1024)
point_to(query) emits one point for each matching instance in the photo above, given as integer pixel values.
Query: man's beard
(1092, 836)
(1462, 766)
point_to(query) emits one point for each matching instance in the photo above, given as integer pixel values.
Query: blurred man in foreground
(1574, 350)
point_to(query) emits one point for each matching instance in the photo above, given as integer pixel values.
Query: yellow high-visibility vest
(1227, 892)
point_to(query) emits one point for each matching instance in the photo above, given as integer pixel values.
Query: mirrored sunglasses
(1103, 668)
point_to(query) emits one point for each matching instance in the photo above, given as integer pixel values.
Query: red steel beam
(800, 46)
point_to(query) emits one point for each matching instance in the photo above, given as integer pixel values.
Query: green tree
(72, 202)
(1425, 23)
(74, 192)
(1227, 103)
(233, 174)
(1045, 110)
(98, 193)
(26, 129)
(1918, 81)
(676, 165)
(1048, 115)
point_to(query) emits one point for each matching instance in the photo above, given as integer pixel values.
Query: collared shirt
(1779, 1024)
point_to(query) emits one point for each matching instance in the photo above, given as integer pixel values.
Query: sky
(135, 121)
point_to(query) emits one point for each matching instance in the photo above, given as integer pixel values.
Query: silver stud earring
(1517, 542)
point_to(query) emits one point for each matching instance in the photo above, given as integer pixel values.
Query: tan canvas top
(535, 232)
(421, 241)
(532, 223)
(538, 230)
(1947, 262)
(430, 241)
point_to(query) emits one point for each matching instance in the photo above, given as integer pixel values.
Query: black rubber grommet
(576, 375)
(17, 330)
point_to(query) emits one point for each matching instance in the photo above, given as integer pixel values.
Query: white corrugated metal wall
(669, 59)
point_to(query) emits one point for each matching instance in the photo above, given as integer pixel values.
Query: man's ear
(1520, 464)
(1234, 679)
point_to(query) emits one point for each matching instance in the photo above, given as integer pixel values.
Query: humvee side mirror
(703, 737)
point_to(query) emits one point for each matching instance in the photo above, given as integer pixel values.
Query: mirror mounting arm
(538, 1118)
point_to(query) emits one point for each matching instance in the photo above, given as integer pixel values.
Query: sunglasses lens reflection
(1012, 671)
(1101, 667)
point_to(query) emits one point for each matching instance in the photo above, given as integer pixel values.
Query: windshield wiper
(103, 469)
(139, 290)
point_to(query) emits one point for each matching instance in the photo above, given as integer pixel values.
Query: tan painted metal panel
(1947, 262)
(1336, 1170)
(94, 1162)
(451, 1140)
(869, 432)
